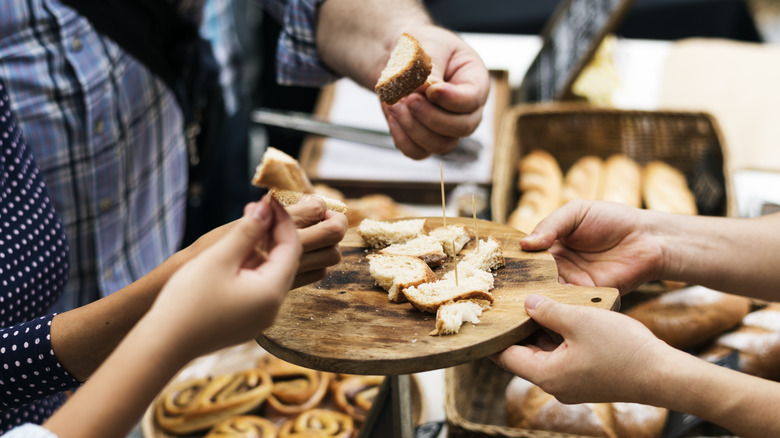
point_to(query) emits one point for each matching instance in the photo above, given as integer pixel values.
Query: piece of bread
(452, 238)
(406, 70)
(379, 234)
(451, 316)
(688, 317)
(487, 256)
(424, 247)
(281, 171)
(375, 206)
(664, 188)
(757, 339)
(470, 284)
(529, 407)
(395, 273)
(622, 181)
(583, 179)
(540, 181)
(289, 197)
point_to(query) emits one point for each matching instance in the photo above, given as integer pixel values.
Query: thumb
(250, 231)
(549, 313)
(557, 225)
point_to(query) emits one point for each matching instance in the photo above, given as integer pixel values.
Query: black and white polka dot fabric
(33, 271)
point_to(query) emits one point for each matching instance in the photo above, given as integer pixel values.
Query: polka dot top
(33, 270)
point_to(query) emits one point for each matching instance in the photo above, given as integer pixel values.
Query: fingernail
(261, 211)
(533, 300)
(533, 237)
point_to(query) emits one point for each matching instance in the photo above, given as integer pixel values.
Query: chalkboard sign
(569, 40)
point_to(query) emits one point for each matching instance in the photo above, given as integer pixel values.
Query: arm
(82, 338)
(220, 298)
(355, 38)
(607, 244)
(609, 357)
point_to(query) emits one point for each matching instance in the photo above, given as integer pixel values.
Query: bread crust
(402, 83)
(583, 179)
(622, 181)
(664, 188)
(281, 171)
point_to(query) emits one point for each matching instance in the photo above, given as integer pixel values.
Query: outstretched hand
(433, 119)
(598, 244)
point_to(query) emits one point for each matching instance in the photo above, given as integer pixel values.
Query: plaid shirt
(108, 138)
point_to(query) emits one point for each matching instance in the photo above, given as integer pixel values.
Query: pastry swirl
(319, 423)
(295, 389)
(243, 426)
(354, 395)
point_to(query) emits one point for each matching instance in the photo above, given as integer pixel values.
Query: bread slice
(423, 247)
(406, 70)
(290, 197)
(379, 234)
(486, 257)
(281, 171)
(451, 316)
(471, 284)
(452, 238)
(395, 273)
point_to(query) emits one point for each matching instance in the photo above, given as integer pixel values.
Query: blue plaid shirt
(107, 134)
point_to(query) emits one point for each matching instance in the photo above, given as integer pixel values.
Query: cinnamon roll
(243, 426)
(295, 389)
(319, 423)
(354, 395)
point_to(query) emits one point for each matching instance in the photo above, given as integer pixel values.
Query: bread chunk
(488, 257)
(423, 247)
(451, 316)
(452, 238)
(395, 273)
(281, 171)
(471, 284)
(406, 70)
(379, 234)
(289, 197)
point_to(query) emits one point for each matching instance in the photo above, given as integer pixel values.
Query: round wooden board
(346, 324)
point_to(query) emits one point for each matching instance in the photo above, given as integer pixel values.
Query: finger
(402, 141)
(460, 97)
(308, 211)
(549, 313)
(412, 135)
(320, 259)
(309, 277)
(326, 233)
(522, 361)
(285, 249)
(559, 224)
(442, 121)
(240, 242)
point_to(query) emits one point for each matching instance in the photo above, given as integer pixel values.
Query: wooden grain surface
(345, 323)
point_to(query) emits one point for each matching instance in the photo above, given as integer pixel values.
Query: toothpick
(456, 264)
(443, 202)
(474, 212)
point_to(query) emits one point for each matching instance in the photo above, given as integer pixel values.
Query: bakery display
(406, 70)
(757, 341)
(281, 171)
(688, 317)
(529, 407)
(664, 188)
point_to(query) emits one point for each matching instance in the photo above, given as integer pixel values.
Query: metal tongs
(467, 150)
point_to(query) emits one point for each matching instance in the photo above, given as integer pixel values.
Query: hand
(431, 120)
(228, 294)
(605, 356)
(599, 244)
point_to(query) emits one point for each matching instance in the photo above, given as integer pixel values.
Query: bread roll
(622, 181)
(529, 407)
(406, 70)
(757, 339)
(688, 317)
(281, 171)
(664, 188)
(540, 181)
(583, 179)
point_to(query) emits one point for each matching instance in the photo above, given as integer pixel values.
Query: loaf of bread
(664, 188)
(281, 171)
(540, 181)
(688, 317)
(289, 197)
(757, 339)
(583, 179)
(407, 69)
(622, 181)
(379, 234)
(529, 407)
(395, 273)
(470, 284)
(451, 316)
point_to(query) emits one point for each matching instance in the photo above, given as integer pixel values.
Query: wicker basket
(689, 141)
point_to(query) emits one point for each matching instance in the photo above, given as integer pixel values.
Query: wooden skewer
(456, 264)
(443, 202)
(474, 213)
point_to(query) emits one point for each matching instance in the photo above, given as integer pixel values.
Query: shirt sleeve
(298, 62)
(30, 370)
(29, 431)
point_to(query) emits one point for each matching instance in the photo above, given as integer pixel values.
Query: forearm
(113, 400)
(82, 338)
(745, 405)
(355, 37)
(730, 255)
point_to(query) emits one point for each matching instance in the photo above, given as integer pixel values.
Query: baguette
(583, 179)
(622, 181)
(281, 171)
(664, 188)
(406, 70)
(540, 181)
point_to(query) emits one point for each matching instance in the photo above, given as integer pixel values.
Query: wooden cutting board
(346, 324)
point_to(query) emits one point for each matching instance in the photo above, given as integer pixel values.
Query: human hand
(605, 356)
(229, 294)
(599, 244)
(433, 119)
